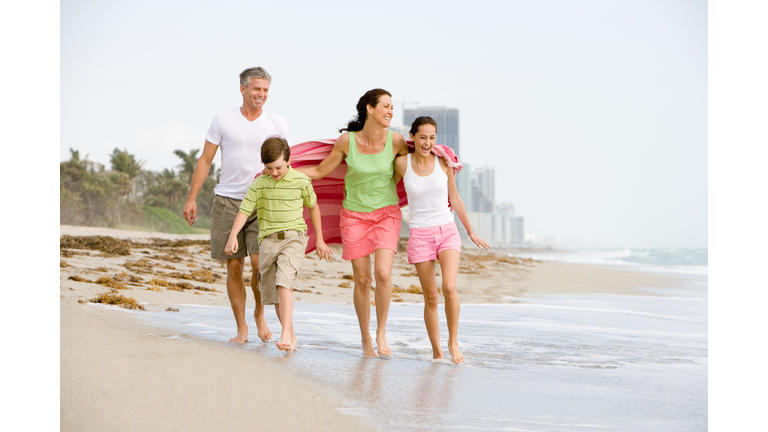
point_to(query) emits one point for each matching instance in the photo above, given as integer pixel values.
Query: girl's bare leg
(361, 270)
(449, 263)
(382, 271)
(426, 272)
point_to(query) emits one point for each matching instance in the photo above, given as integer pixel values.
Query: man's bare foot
(381, 344)
(242, 337)
(456, 355)
(368, 350)
(263, 329)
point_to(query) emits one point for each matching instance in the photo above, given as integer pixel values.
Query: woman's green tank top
(368, 185)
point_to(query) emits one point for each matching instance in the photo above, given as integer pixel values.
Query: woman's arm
(399, 145)
(458, 206)
(401, 164)
(331, 162)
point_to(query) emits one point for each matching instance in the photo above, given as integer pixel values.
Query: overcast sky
(594, 113)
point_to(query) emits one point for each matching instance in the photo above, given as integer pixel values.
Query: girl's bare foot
(368, 349)
(456, 355)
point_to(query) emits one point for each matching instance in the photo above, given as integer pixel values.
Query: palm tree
(188, 162)
(124, 162)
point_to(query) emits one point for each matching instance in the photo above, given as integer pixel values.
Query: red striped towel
(330, 190)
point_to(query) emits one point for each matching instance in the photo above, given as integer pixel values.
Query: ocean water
(548, 363)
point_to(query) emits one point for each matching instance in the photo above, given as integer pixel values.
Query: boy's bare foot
(263, 329)
(368, 349)
(381, 344)
(456, 355)
(288, 346)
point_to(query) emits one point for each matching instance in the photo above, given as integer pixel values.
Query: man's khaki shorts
(279, 262)
(223, 214)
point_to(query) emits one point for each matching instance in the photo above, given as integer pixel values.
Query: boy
(279, 198)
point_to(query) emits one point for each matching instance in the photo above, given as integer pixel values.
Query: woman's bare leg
(361, 270)
(382, 271)
(449, 263)
(426, 272)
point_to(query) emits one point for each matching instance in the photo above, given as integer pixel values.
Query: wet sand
(120, 373)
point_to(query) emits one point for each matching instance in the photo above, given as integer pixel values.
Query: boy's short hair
(273, 148)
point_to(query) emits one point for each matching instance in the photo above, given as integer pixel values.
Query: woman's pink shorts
(425, 243)
(363, 233)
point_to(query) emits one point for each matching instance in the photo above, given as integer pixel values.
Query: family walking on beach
(263, 218)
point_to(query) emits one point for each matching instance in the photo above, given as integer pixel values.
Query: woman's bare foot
(456, 355)
(242, 337)
(437, 355)
(368, 349)
(381, 344)
(263, 329)
(288, 346)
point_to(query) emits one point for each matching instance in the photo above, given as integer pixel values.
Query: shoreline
(118, 372)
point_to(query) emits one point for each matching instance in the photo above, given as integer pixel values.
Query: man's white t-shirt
(240, 141)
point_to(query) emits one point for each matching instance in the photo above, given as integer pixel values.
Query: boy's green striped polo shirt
(279, 204)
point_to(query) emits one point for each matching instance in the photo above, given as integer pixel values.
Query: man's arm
(202, 168)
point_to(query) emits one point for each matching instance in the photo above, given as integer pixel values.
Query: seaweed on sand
(106, 245)
(117, 299)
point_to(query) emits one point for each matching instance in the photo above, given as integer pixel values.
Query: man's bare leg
(236, 294)
(258, 311)
(285, 314)
(382, 271)
(361, 270)
(426, 272)
(449, 262)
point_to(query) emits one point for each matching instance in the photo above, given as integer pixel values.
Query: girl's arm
(458, 206)
(331, 162)
(232, 245)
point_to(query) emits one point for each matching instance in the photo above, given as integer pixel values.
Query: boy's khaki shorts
(280, 256)
(223, 214)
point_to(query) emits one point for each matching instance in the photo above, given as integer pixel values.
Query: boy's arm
(232, 245)
(323, 251)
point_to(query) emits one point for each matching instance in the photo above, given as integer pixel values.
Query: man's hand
(231, 246)
(190, 212)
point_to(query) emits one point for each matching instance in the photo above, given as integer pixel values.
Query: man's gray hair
(254, 72)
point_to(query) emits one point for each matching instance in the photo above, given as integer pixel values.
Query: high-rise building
(447, 124)
(484, 189)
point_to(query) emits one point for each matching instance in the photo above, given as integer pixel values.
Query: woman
(430, 186)
(370, 215)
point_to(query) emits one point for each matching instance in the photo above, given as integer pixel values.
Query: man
(240, 133)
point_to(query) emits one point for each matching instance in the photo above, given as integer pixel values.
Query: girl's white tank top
(427, 197)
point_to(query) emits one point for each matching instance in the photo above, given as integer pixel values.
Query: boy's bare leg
(361, 270)
(426, 272)
(284, 312)
(236, 294)
(258, 311)
(382, 271)
(449, 262)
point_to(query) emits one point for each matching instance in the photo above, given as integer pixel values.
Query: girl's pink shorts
(363, 233)
(425, 243)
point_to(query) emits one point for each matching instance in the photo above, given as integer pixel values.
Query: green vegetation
(128, 197)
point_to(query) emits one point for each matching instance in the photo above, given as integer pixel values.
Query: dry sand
(118, 373)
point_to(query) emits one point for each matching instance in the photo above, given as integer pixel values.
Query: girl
(430, 186)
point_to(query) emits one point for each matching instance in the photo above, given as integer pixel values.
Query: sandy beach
(119, 373)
